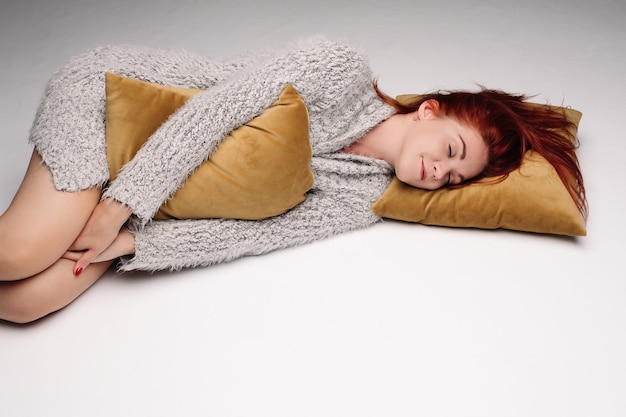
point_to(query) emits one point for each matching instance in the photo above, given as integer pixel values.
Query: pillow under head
(532, 199)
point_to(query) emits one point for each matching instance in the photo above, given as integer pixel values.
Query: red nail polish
(78, 271)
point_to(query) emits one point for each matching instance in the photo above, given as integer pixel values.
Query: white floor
(396, 320)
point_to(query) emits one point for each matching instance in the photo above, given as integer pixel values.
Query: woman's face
(439, 151)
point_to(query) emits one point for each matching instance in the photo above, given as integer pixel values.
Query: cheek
(404, 174)
(407, 169)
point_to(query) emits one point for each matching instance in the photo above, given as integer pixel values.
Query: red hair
(510, 127)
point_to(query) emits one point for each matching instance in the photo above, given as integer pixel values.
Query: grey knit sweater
(334, 80)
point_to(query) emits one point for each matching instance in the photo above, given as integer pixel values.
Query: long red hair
(510, 127)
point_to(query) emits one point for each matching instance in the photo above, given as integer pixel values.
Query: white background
(396, 320)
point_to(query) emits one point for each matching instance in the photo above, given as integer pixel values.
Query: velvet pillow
(531, 199)
(260, 170)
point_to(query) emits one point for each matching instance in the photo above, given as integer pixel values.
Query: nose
(440, 170)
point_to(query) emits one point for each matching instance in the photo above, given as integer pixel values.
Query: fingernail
(78, 271)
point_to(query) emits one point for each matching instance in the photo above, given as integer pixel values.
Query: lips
(423, 171)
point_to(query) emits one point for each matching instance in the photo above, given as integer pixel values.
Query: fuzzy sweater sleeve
(69, 128)
(320, 70)
(345, 189)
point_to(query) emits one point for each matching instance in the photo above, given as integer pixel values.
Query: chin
(419, 184)
(410, 177)
(411, 182)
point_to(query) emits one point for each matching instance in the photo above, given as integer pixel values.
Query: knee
(15, 260)
(23, 255)
(22, 314)
(9, 264)
(20, 304)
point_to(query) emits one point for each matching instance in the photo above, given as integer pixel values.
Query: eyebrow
(464, 147)
(463, 152)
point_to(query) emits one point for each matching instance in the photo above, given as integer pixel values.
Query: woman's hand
(124, 244)
(99, 234)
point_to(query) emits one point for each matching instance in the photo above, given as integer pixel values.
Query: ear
(428, 110)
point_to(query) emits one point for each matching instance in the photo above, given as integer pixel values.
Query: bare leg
(29, 299)
(41, 223)
(35, 231)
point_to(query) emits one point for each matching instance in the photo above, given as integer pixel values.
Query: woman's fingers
(99, 233)
(72, 255)
(83, 262)
(124, 244)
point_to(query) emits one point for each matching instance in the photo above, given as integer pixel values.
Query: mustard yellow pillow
(260, 170)
(531, 199)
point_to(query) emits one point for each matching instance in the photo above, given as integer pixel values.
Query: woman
(62, 231)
